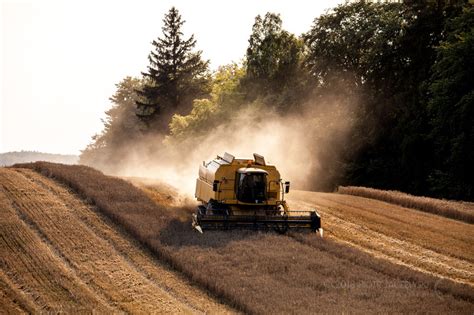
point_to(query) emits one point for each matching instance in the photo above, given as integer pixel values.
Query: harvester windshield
(252, 186)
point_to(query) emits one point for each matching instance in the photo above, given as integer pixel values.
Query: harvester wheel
(217, 208)
(282, 229)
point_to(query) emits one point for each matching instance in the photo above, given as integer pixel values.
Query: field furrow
(13, 300)
(63, 256)
(141, 260)
(36, 278)
(421, 241)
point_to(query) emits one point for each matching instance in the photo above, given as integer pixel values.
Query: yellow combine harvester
(243, 193)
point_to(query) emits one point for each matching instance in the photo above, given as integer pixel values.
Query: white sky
(60, 60)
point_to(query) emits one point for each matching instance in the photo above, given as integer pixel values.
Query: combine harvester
(246, 194)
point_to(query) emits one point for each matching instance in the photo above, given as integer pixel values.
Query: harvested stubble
(265, 272)
(458, 210)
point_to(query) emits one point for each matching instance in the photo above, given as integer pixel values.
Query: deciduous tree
(273, 63)
(122, 128)
(451, 108)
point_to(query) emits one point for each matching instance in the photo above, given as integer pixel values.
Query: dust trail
(306, 147)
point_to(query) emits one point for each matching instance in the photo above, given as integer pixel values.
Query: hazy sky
(60, 60)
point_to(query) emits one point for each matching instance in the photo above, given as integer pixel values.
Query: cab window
(251, 187)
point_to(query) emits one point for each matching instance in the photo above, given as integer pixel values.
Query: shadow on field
(179, 233)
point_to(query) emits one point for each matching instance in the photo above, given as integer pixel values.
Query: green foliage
(353, 51)
(352, 43)
(121, 123)
(272, 51)
(406, 66)
(176, 75)
(383, 54)
(451, 108)
(273, 61)
(206, 114)
(121, 127)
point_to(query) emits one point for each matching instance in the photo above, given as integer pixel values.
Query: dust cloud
(307, 148)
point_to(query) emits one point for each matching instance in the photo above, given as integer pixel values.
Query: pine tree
(176, 75)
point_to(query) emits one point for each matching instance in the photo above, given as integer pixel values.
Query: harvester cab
(246, 194)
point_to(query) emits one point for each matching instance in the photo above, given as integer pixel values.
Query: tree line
(407, 66)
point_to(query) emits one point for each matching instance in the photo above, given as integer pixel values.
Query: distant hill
(10, 158)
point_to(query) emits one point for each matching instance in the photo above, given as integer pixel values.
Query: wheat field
(266, 272)
(59, 255)
(459, 210)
